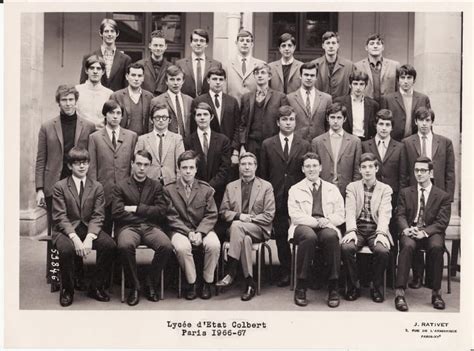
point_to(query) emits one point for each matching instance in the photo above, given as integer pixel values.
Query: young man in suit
(259, 109)
(404, 102)
(196, 67)
(155, 66)
(339, 151)
(309, 104)
(179, 104)
(139, 208)
(135, 101)
(423, 215)
(116, 62)
(286, 71)
(164, 146)
(214, 150)
(192, 215)
(361, 109)
(316, 209)
(249, 205)
(368, 213)
(111, 151)
(333, 70)
(381, 70)
(92, 94)
(239, 71)
(78, 214)
(280, 164)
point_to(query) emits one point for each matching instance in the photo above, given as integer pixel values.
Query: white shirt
(203, 66)
(312, 96)
(109, 132)
(135, 97)
(309, 183)
(283, 63)
(381, 146)
(201, 136)
(218, 110)
(77, 183)
(426, 194)
(282, 141)
(358, 116)
(429, 144)
(180, 100)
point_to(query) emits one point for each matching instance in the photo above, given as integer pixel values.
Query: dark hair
(203, 106)
(173, 71)
(308, 65)
(284, 111)
(157, 34)
(329, 35)
(358, 75)
(368, 156)
(385, 115)
(157, 107)
(285, 37)
(95, 59)
(425, 159)
(77, 154)
(336, 107)
(109, 106)
(244, 33)
(374, 36)
(108, 22)
(135, 65)
(201, 32)
(217, 72)
(311, 156)
(260, 66)
(66, 89)
(423, 113)
(188, 155)
(142, 153)
(406, 70)
(248, 154)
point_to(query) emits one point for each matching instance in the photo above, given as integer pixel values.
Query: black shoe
(438, 302)
(284, 281)
(248, 294)
(98, 294)
(133, 297)
(415, 283)
(377, 296)
(206, 291)
(151, 294)
(191, 292)
(401, 304)
(66, 298)
(352, 294)
(333, 298)
(79, 284)
(300, 297)
(225, 282)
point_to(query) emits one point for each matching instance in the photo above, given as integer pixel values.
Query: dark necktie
(244, 66)
(114, 141)
(81, 191)
(199, 76)
(216, 101)
(286, 150)
(423, 145)
(160, 147)
(179, 117)
(420, 222)
(308, 104)
(205, 144)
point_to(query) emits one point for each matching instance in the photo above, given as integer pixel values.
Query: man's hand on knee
(349, 237)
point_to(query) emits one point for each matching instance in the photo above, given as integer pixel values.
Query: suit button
(286, 175)
(115, 156)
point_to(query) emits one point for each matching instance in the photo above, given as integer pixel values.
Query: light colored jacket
(238, 83)
(388, 76)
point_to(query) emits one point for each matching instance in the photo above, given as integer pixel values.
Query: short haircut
(142, 153)
(368, 156)
(217, 72)
(109, 106)
(425, 159)
(261, 66)
(157, 107)
(201, 32)
(311, 156)
(336, 107)
(173, 71)
(248, 154)
(375, 36)
(66, 89)
(308, 65)
(284, 111)
(188, 155)
(77, 154)
(285, 37)
(243, 34)
(135, 65)
(423, 113)
(385, 115)
(358, 76)
(203, 106)
(95, 59)
(157, 34)
(406, 70)
(329, 35)
(108, 22)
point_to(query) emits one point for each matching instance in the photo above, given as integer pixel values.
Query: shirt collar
(373, 61)
(201, 132)
(283, 63)
(162, 133)
(110, 130)
(354, 99)
(311, 91)
(185, 184)
(131, 92)
(249, 182)
(409, 93)
(104, 48)
(386, 140)
(367, 187)
(310, 183)
(194, 57)
(213, 94)
(78, 180)
(282, 137)
(340, 133)
(262, 90)
(247, 58)
(173, 95)
(427, 189)
(91, 86)
(429, 136)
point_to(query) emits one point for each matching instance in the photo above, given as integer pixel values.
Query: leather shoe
(191, 292)
(300, 297)
(98, 294)
(438, 302)
(225, 282)
(133, 297)
(415, 283)
(377, 296)
(401, 304)
(206, 291)
(248, 294)
(352, 294)
(151, 294)
(284, 281)
(333, 298)
(66, 298)
(79, 284)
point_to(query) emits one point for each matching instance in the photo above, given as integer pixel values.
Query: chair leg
(270, 261)
(179, 283)
(216, 278)
(162, 284)
(293, 270)
(259, 267)
(122, 286)
(449, 269)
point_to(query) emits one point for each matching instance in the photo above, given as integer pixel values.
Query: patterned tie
(244, 66)
(420, 222)
(382, 149)
(205, 144)
(423, 145)
(160, 146)
(308, 103)
(114, 141)
(187, 190)
(179, 117)
(286, 150)
(81, 191)
(199, 76)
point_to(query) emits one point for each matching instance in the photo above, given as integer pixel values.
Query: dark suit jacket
(198, 213)
(294, 77)
(49, 158)
(173, 126)
(392, 169)
(394, 103)
(156, 84)
(189, 86)
(273, 101)
(371, 107)
(230, 119)
(117, 79)
(437, 210)
(151, 204)
(109, 166)
(442, 153)
(69, 211)
(336, 84)
(281, 173)
(123, 98)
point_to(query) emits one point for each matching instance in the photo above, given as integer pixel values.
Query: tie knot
(424, 137)
(216, 95)
(198, 58)
(113, 132)
(286, 139)
(244, 59)
(308, 91)
(422, 190)
(204, 133)
(315, 186)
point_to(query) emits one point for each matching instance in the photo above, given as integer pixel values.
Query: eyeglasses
(80, 163)
(421, 170)
(161, 118)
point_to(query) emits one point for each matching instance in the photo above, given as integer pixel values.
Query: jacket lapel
(236, 65)
(194, 191)
(327, 144)
(390, 149)
(210, 152)
(267, 98)
(73, 190)
(277, 147)
(115, 63)
(317, 102)
(375, 201)
(149, 67)
(87, 190)
(300, 101)
(253, 193)
(59, 132)
(78, 130)
(151, 141)
(384, 70)
(170, 104)
(366, 65)
(399, 100)
(344, 143)
(106, 138)
(294, 148)
(416, 143)
(166, 145)
(120, 139)
(434, 146)
(279, 70)
(238, 194)
(189, 71)
(373, 149)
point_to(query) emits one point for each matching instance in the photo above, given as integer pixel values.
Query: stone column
(437, 58)
(32, 218)
(226, 27)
